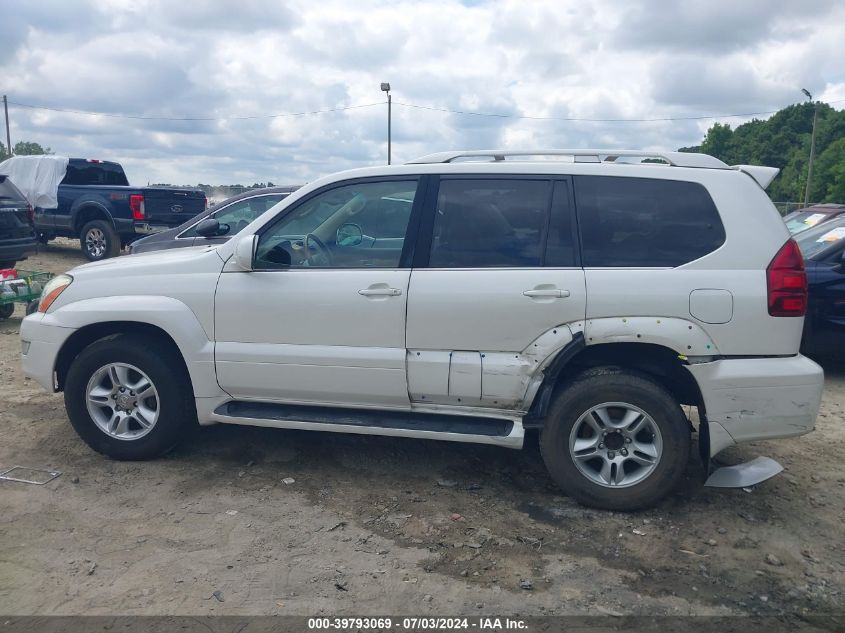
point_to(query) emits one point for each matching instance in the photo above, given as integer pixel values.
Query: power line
(406, 105)
(190, 118)
(588, 120)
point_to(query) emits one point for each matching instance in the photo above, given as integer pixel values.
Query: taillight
(30, 214)
(787, 282)
(136, 204)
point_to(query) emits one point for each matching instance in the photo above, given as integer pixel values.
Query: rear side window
(81, 172)
(9, 194)
(484, 223)
(645, 222)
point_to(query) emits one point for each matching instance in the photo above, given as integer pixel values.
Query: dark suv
(17, 225)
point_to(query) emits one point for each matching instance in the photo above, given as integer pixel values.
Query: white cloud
(549, 58)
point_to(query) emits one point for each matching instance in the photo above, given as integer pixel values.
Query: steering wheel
(318, 253)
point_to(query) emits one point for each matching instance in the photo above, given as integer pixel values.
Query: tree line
(783, 141)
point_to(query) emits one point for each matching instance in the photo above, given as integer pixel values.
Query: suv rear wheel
(129, 397)
(99, 240)
(615, 439)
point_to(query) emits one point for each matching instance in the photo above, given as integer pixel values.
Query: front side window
(238, 215)
(645, 222)
(353, 226)
(486, 223)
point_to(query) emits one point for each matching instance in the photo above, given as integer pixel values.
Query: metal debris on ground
(217, 595)
(25, 475)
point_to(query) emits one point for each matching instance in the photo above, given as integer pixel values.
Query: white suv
(466, 296)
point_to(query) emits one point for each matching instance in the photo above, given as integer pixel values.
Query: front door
(500, 271)
(321, 319)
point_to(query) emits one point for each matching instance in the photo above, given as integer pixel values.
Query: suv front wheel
(615, 439)
(129, 397)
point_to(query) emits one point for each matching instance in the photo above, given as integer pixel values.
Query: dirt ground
(368, 525)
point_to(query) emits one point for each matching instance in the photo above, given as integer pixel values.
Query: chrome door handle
(547, 292)
(380, 292)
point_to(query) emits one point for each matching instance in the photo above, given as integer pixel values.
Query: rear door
(496, 268)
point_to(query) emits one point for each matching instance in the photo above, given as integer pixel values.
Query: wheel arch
(165, 318)
(94, 332)
(657, 362)
(88, 211)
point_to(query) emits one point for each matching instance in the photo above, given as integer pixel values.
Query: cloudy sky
(234, 64)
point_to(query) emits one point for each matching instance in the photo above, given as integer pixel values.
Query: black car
(231, 215)
(823, 248)
(17, 225)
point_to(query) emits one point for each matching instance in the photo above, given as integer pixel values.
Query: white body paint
(461, 341)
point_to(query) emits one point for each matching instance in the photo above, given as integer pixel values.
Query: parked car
(803, 219)
(227, 219)
(97, 205)
(823, 247)
(17, 228)
(457, 299)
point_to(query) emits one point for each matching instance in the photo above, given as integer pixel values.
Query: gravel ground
(385, 525)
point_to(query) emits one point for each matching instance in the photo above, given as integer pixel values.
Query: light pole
(385, 87)
(8, 138)
(812, 147)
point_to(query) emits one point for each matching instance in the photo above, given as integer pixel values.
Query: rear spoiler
(763, 175)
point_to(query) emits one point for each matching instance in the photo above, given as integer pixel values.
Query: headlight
(52, 290)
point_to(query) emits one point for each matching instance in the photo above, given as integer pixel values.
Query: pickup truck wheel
(99, 240)
(129, 398)
(7, 310)
(616, 440)
(44, 238)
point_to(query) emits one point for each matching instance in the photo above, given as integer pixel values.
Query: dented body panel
(759, 398)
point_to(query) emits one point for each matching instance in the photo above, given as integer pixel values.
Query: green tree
(717, 141)
(29, 148)
(783, 141)
(3, 155)
(829, 173)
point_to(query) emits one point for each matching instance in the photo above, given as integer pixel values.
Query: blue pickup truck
(97, 206)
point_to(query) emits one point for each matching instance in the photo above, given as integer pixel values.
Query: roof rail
(676, 159)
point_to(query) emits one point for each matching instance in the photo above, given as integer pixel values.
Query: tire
(649, 448)
(6, 310)
(8, 264)
(99, 240)
(133, 358)
(44, 238)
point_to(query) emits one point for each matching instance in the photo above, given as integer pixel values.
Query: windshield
(816, 239)
(802, 220)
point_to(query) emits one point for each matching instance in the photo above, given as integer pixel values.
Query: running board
(743, 475)
(436, 426)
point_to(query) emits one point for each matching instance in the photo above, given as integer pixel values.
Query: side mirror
(211, 228)
(349, 235)
(245, 251)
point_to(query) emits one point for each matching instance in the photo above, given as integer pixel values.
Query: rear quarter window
(645, 222)
(80, 172)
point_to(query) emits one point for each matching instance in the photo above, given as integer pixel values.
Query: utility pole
(385, 87)
(812, 148)
(8, 137)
